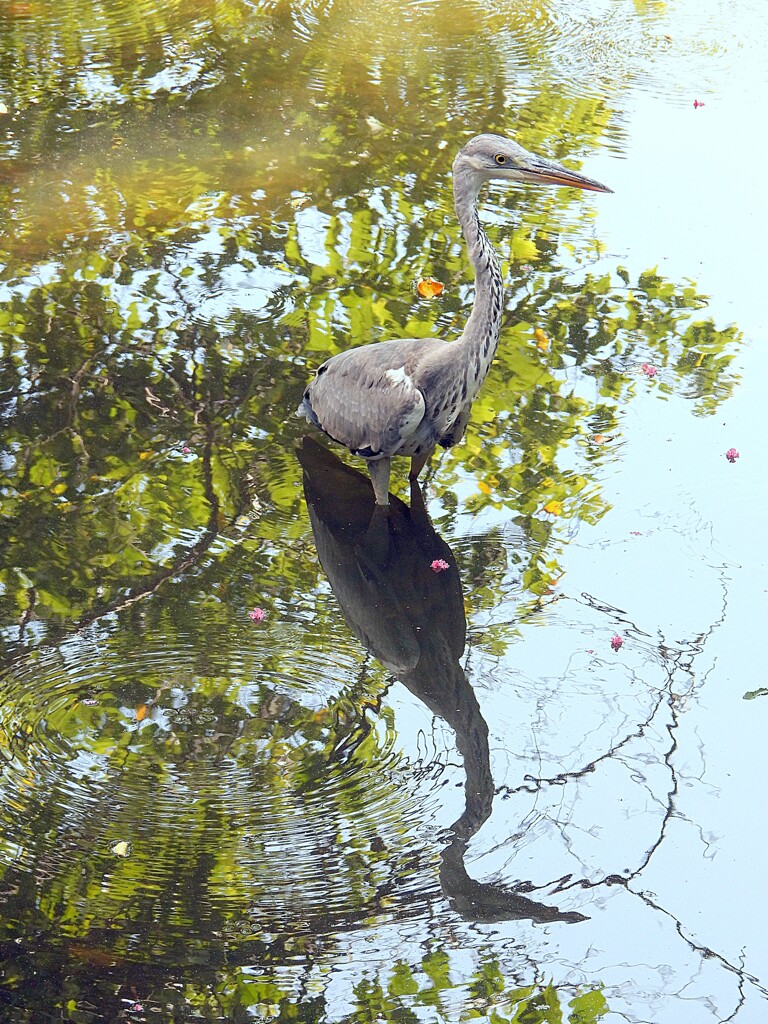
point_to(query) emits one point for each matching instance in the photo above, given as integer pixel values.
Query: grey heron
(406, 396)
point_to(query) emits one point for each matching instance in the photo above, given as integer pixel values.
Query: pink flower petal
(257, 614)
(616, 642)
(439, 565)
(731, 455)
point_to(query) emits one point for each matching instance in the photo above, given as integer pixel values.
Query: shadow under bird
(406, 396)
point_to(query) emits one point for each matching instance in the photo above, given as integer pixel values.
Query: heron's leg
(418, 462)
(379, 471)
(418, 505)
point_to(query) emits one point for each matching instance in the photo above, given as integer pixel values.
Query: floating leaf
(121, 849)
(601, 438)
(3, 108)
(541, 339)
(553, 584)
(751, 694)
(44, 471)
(429, 288)
(141, 712)
(588, 1007)
(554, 508)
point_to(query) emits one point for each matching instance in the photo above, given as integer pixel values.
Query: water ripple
(256, 798)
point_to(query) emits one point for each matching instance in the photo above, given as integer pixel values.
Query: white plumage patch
(398, 376)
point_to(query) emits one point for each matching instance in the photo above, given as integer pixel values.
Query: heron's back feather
(369, 398)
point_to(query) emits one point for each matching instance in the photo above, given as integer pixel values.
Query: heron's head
(495, 158)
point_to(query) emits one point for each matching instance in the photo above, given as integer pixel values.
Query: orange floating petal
(141, 712)
(541, 339)
(554, 508)
(429, 288)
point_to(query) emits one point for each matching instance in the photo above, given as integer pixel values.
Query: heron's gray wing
(366, 400)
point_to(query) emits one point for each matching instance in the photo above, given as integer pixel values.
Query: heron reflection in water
(412, 620)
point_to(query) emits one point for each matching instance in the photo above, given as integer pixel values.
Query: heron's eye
(500, 158)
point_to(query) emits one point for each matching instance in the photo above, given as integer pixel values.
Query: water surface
(401, 795)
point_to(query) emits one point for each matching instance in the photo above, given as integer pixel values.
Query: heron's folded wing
(365, 400)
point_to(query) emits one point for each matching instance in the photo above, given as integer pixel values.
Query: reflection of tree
(123, 98)
(100, 403)
(412, 620)
(198, 201)
(201, 916)
(175, 291)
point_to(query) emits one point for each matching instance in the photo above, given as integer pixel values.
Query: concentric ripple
(225, 795)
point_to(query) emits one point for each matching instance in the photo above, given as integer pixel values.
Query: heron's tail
(304, 411)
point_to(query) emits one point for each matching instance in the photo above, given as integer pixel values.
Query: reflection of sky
(690, 188)
(677, 566)
(690, 200)
(681, 555)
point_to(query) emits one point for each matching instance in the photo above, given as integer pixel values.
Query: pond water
(259, 761)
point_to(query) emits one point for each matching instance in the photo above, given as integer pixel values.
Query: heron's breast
(448, 406)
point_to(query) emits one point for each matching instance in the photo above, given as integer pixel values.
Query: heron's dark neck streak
(480, 337)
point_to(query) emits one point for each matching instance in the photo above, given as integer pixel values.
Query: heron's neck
(480, 337)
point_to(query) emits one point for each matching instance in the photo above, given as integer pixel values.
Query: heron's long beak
(539, 171)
